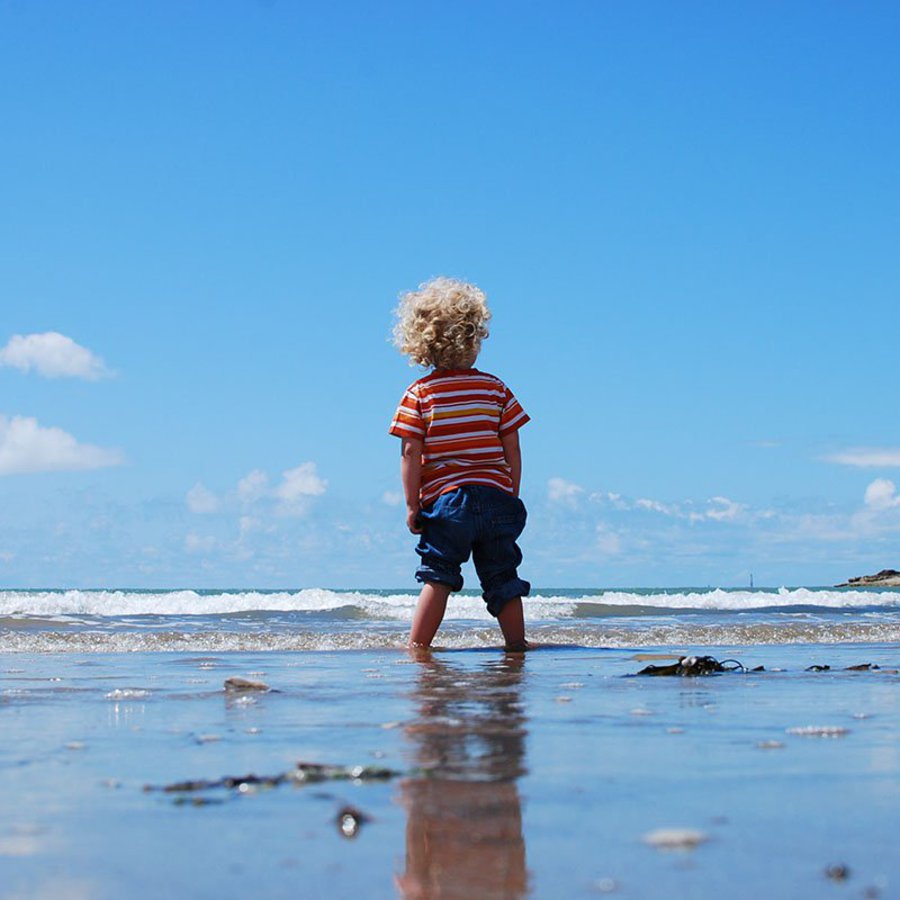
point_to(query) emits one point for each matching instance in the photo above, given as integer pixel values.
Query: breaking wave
(399, 605)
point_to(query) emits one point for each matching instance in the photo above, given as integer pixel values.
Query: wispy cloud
(561, 491)
(609, 542)
(52, 355)
(867, 457)
(715, 509)
(201, 500)
(291, 496)
(198, 543)
(253, 486)
(26, 446)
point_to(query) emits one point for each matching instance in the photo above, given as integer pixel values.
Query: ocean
(131, 765)
(313, 619)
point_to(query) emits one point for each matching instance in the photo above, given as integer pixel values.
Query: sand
(549, 775)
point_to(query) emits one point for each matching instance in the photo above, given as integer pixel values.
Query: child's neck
(463, 367)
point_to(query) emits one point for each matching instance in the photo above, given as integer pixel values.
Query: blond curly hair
(442, 324)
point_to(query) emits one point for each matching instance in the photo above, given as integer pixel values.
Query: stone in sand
(675, 838)
(350, 820)
(238, 685)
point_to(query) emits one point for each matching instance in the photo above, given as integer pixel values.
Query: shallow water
(517, 775)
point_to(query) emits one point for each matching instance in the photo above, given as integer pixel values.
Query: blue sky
(685, 217)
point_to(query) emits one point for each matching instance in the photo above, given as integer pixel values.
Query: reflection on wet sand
(464, 815)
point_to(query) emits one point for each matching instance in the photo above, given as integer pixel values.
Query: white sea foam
(718, 599)
(540, 606)
(458, 637)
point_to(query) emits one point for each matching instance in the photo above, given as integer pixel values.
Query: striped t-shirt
(460, 415)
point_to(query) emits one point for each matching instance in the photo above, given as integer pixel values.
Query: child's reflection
(464, 816)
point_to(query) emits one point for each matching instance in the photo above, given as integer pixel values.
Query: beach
(367, 772)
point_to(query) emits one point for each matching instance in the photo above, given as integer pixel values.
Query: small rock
(350, 820)
(838, 872)
(675, 838)
(238, 685)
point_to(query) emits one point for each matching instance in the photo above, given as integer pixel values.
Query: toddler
(460, 459)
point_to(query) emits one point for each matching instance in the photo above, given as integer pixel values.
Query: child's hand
(413, 522)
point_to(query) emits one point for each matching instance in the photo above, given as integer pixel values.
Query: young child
(460, 459)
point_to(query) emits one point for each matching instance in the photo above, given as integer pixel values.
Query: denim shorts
(480, 520)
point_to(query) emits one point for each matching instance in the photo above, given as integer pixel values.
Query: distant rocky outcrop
(885, 578)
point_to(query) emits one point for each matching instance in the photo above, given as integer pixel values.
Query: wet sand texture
(547, 775)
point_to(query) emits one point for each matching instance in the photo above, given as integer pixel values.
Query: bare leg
(512, 624)
(429, 614)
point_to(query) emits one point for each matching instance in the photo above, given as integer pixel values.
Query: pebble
(823, 731)
(675, 838)
(838, 872)
(237, 685)
(350, 820)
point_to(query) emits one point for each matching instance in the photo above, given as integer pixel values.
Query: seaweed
(693, 666)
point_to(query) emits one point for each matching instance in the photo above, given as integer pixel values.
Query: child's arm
(513, 454)
(411, 476)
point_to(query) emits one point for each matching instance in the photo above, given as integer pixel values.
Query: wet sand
(500, 775)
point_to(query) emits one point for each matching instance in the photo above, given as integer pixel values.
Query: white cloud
(26, 446)
(882, 494)
(298, 485)
(723, 509)
(867, 457)
(656, 506)
(561, 491)
(253, 486)
(392, 498)
(52, 355)
(201, 500)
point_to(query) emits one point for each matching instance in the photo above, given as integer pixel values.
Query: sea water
(320, 619)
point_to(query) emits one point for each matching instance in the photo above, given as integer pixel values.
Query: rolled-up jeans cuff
(498, 597)
(430, 575)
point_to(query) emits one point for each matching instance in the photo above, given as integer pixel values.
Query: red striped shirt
(460, 415)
